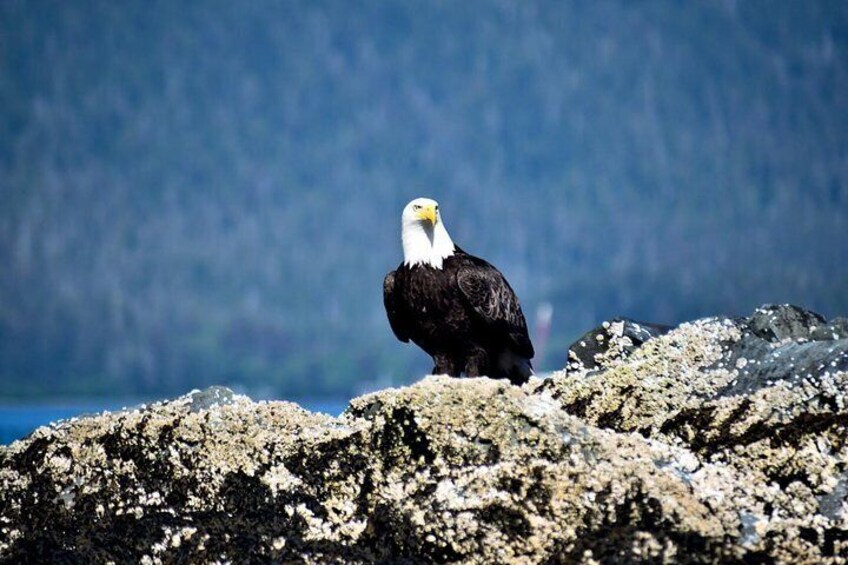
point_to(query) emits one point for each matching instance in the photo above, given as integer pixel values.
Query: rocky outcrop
(720, 440)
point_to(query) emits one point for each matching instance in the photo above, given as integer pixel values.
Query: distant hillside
(210, 192)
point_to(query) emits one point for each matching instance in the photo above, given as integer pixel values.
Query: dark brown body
(464, 315)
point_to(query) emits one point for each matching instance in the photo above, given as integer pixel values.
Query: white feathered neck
(425, 244)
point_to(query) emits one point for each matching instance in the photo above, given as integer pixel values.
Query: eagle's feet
(445, 366)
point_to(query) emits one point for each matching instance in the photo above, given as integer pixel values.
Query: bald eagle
(455, 306)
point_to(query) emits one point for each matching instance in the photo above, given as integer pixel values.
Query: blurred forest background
(210, 192)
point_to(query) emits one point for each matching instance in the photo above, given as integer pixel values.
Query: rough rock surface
(721, 440)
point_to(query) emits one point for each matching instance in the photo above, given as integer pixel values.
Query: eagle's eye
(416, 207)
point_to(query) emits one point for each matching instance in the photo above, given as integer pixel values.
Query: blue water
(18, 421)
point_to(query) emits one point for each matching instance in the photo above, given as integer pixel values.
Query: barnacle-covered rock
(672, 449)
(766, 395)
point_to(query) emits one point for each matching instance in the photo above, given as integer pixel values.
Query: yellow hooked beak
(428, 213)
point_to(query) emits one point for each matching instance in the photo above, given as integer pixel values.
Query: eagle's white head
(425, 239)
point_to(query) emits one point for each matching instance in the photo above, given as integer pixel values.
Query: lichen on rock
(657, 445)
